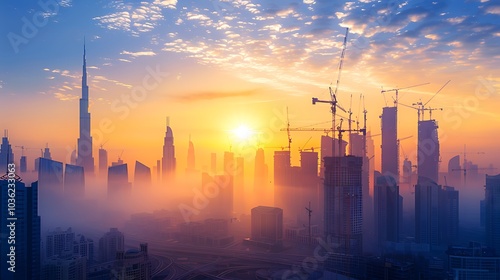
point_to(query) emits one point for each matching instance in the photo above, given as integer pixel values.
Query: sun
(243, 132)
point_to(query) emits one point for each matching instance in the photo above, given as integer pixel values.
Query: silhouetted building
(239, 199)
(473, 262)
(6, 154)
(267, 225)
(221, 188)
(74, 180)
(65, 267)
(190, 158)
(448, 210)
(133, 264)
(168, 159)
(390, 149)
(46, 153)
(327, 146)
(84, 247)
(118, 184)
(261, 190)
(427, 212)
(428, 150)
(110, 243)
(26, 229)
(142, 175)
(50, 176)
(343, 203)
(84, 151)
(492, 212)
(282, 176)
(23, 164)
(454, 170)
(103, 162)
(59, 243)
(387, 210)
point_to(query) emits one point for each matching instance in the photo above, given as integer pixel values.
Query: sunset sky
(221, 65)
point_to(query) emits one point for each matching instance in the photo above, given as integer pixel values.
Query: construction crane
(309, 212)
(333, 94)
(421, 106)
(288, 130)
(396, 100)
(340, 130)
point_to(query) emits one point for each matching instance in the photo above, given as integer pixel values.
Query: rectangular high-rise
(427, 212)
(387, 210)
(343, 205)
(390, 152)
(428, 150)
(27, 231)
(492, 212)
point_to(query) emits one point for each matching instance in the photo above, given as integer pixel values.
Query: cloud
(127, 17)
(203, 96)
(65, 96)
(141, 53)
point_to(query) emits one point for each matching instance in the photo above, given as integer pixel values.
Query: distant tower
(344, 203)
(390, 154)
(427, 211)
(454, 170)
(492, 211)
(110, 243)
(84, 151)
(46, 152)
(118, 185)
(168, 159)
(282, 171)
(142, 175)
(261, 181)
(387, 212)
(103, 162)
(74, 181)
(190, 157)
(428, 150)
(6, 155)
(240, 200)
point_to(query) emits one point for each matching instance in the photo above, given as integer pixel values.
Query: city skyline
(250, 139)
(383, 50)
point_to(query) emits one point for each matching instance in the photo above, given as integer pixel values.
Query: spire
(84, 70)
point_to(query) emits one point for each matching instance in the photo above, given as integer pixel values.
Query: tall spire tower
(168, 159)
(84, 155)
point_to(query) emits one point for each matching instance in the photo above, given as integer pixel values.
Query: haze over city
(202, 111)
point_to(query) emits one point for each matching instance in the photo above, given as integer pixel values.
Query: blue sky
(249, 51)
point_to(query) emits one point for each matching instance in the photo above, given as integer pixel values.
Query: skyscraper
(50, 176)
(118, 185)
(261, 191)
(190, 157)
(74, 181)
(387, 212)
(84, 151)
(282, 171)
(428, 150)
(142, 175)
(239, 186)
(326, 150)
(103, 162)
(390, 153)
(448, 209)
(492, 212)
(59, 242)
(6, 155)
(26, 231)
(343, 203)
(110, 243)
(267, 225)
(427, 211)
(168, 159)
